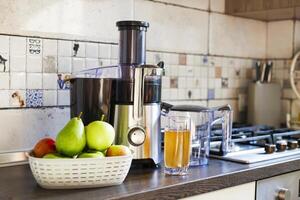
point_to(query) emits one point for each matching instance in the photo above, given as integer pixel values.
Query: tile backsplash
(38, 70)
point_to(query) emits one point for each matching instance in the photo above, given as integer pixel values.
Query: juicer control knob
(136, 136)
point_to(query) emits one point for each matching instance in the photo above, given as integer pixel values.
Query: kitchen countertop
(17, 182)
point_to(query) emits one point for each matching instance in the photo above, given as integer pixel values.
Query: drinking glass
(177, 140)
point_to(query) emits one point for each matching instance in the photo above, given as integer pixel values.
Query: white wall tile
(182, 82)
(104, 51)
(4, 99)
(49, 47)
(34, 46)
(202, 4)
(50, 64)
(81, 49)
(4, 81)
(34, 64)
(64, 64)
(18, 80)
(165, 82)
(280, 39)
(92, 50)
(104, 62)
(114, 61)
(65, 48)
(42, 122)
(63, 97)
(49, 81)
(34, 81)
(17, 46)
(18, 63)
(78, 64)
(234, 36)
(217, 5)
(297, 36)
(114, 51)
(164, 34)
(7, 63)
(17, 98)
(91, 62)
(4, 44)
(50, 97)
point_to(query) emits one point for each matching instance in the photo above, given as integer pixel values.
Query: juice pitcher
(202, 120)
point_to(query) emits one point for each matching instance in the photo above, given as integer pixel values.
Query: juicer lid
(110, 72)
(132, 25)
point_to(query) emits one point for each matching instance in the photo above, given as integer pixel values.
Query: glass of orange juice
(177, 140)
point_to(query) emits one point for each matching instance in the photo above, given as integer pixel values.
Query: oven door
(282, 187)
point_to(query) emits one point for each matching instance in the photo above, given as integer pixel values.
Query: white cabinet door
(240, 192)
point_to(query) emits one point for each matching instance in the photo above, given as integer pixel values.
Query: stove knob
(136, 136)
(292, 144)
(270, 148)
(281, 145)
(283, 194)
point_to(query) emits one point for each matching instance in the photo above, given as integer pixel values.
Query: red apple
(118, 150)
(43, 147)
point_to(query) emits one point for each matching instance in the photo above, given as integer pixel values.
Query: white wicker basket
(79, 173)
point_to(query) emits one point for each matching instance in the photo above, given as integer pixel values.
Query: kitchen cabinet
(244, 192)
(268, 10)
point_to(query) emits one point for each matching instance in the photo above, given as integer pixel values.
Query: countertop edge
(223, 181)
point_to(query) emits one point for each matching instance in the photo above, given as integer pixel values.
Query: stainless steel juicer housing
(138, 95)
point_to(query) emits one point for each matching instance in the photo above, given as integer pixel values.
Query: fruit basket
(68, 173)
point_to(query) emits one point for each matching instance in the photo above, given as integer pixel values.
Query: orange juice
(177, 148)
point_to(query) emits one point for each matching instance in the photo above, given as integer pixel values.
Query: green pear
(53, 156)
(91, 154)
(71, 140)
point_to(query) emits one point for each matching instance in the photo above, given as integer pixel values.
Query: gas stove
(251, 144)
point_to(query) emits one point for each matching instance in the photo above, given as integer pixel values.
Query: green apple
(53, 155)
(99, 135)
(95, 154)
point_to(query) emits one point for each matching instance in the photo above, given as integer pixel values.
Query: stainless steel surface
(264, 104)
(140, 72)
(12, 158)
(124, 122)
(283, 187)
(255, 155)
(270, 148)
(132, 44)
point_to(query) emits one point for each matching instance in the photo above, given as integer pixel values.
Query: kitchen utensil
(263, 72)
(257, 71)
(264, 104)
(269, 77)
(177, 140)
(138, 95)
(202, 119)
(69, 173)
(129, 97)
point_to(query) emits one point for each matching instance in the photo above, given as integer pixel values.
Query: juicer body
(144, 145)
